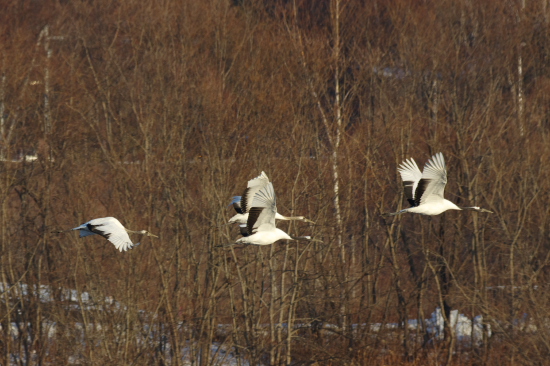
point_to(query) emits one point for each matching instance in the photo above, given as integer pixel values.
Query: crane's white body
(261, 221)
(425, 190)
(112, 230)
(243, 218)
(264, 237)
(432, 209)
(242, 204)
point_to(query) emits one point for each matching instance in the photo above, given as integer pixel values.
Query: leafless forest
(158, 112)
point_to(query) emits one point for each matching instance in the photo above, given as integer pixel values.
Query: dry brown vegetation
(158, 112)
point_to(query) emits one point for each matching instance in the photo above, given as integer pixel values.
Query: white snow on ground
(469, 331)
(220, 355)
(464, 328)
(44, 293)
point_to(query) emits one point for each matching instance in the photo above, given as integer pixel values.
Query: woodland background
(158, 112)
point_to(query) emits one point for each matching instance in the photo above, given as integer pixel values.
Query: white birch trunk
(338, 115)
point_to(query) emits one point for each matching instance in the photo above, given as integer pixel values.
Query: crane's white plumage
(435, 176)
(411, 175)
(112, 230)
(425, 190)
(261, 220)
(242, 204)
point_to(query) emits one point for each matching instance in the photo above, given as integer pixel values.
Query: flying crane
(261, 220)
(424, 190)
(241, 204)
(111, 229)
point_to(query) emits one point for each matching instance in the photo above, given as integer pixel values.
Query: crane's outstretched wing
(254, 185)
(84, 233)
(244, 229)
(410, 175)
(112, 230)
(434, 179)
(263, 209)
(236, 202)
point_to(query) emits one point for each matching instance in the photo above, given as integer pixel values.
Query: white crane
(261, 220)
(424, 191)
(241, 204)
(111, 229)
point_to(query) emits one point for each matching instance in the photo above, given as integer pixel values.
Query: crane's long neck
(278, 216)
(135, 232)
(451, 206)
(300, 237)
(476, 208)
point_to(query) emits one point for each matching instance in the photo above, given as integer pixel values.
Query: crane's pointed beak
(484, 210)
(307, 220)
(153, 235)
